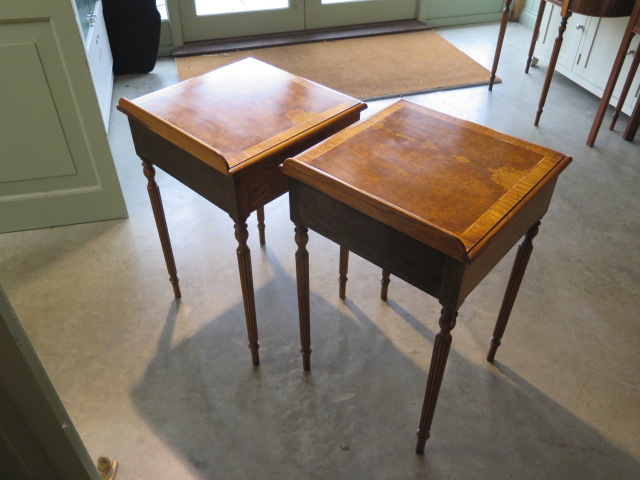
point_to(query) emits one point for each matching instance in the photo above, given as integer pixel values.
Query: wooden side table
(633, 28)
(432, 199)
(593, 8)
(224, 135)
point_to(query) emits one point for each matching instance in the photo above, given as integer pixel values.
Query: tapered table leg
(503, 28)
(517, 272)
(384, 281)
(634, 122)
(246, 282)
(627, 84)
(552, 66)
(261, 226)
(611, 83)
(161, 224)
(302, 276)
(436, 372)
(342, 270)
(535, 34)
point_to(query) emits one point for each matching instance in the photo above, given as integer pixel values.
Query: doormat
(366, 68)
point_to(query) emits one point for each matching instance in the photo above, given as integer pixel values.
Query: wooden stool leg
(161, 224)
(517, 272)
(627, 86)
(552, 66)
(385, 284)
(634, 122)
(503, 28)
(608, 89)
(302, 277)
(436, 372)
(342, 270)
(535, 34)
(246, 282)
(261, 226)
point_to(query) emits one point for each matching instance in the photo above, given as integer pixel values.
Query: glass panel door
(212, 19)
(338, 13)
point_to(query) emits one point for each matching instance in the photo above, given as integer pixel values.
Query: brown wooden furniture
(224, 135)
(435, 200)
(633, 27)
(594, 8)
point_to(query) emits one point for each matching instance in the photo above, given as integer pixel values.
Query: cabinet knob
(580, 26)
(631, 51)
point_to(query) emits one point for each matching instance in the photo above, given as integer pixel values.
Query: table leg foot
(302, 277)
(343, 269)
(517, 273)
(246, 282)
(161, 224)
(436, 372)
(384, 281)
(261, 226)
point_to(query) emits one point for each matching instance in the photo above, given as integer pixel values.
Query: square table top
(444, 181)
(240, 113)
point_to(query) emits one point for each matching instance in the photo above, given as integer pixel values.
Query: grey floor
(167, 388)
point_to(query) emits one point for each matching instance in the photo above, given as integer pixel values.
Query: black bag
(133, 27)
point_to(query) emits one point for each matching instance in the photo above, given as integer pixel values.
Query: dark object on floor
(133, 27)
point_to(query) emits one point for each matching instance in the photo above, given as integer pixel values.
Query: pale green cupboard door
(56, 166)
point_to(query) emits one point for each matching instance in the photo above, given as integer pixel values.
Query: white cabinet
(99, 58)
(589, 48)
(56, 166)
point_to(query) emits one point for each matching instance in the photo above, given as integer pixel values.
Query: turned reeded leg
(384, 281)
(552, 66)
(261, 226)
(517, 272)
(436, 372)
(342, 270)
(535, 34)
(503, 28)
(161, 224)
(302, 276)
(246, 281)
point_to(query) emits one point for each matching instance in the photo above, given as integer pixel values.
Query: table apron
(405, 257)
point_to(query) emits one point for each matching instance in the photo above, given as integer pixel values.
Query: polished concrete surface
(167, 388)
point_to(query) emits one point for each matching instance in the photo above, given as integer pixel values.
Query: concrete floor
(167, 388)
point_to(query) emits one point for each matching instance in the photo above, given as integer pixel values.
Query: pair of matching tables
(431, 199)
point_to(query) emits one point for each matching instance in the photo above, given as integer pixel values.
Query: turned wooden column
(517, 273)
(161, 225)
(565, 14)
(302, 276)
(261, 226)
(436, 373)
(342, 271)
(384, 281)
(503, 27)
(536, 34)
(246, 282)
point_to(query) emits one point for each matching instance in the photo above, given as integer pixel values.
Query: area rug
(365, 68)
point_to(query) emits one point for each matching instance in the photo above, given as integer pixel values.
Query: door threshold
(303, 36)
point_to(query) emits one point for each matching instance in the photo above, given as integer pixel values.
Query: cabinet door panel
(57, 167)
(595, 63)
(571, 39)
